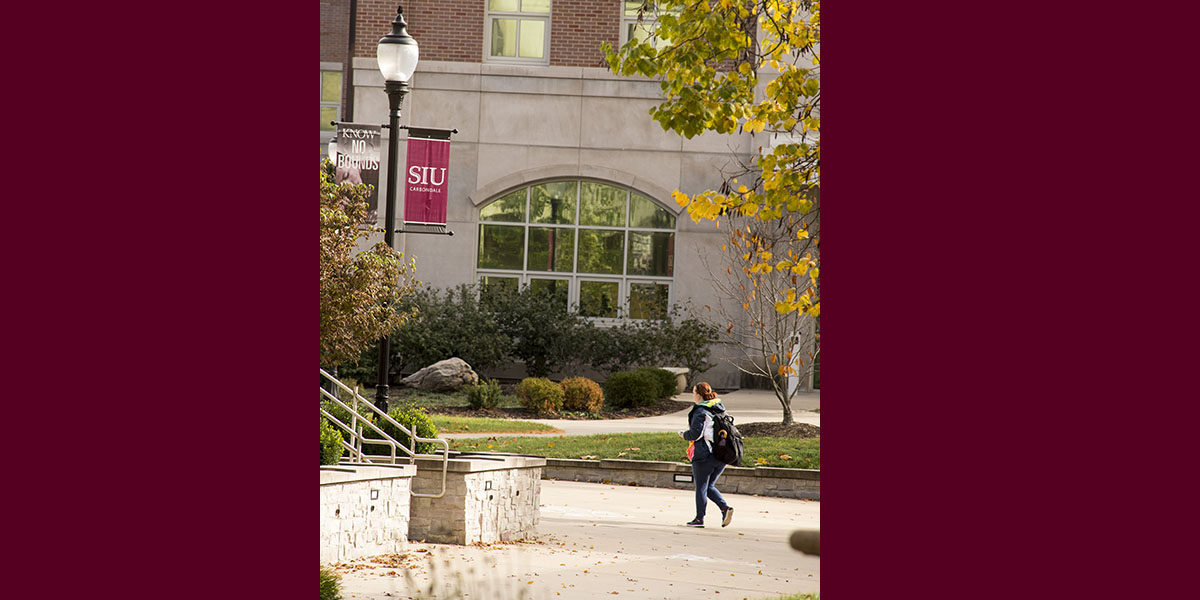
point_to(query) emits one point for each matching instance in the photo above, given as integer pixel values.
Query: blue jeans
(705, 473)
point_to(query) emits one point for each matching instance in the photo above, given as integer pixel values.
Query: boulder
(448, 375)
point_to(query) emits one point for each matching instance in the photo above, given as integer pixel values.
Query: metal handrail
(359, 439)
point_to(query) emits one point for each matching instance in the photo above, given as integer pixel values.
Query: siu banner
(426, 185)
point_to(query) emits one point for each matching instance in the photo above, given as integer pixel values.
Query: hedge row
(496, 327)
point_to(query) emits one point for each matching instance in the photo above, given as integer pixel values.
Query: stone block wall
(487, 500)
(364, 510)
(762, 481)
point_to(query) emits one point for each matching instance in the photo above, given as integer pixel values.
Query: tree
(750, 66)
(360, 291)
(773, 343)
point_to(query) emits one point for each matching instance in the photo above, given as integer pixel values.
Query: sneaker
(726, 516)
(697, 522)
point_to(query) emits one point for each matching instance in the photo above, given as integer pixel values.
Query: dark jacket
(696, 429)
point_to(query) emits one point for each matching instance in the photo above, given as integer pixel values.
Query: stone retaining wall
(488, 499)
(364, 510)
(762, 481)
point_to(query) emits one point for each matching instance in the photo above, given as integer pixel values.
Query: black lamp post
(397, 56)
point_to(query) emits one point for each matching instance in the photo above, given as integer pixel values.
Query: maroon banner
(426, 186)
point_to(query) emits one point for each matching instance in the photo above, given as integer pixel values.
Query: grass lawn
(452, 424)
(770, 452)
(428, 400)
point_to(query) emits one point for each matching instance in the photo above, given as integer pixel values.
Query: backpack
(727, 445)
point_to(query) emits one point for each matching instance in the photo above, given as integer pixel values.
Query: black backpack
(727, 444)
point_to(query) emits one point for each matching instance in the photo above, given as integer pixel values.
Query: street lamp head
(397, 53)
(333, 151)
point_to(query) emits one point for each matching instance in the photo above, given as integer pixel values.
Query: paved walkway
(746, 406)
(603, 541)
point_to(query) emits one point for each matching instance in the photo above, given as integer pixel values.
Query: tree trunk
(784, 400)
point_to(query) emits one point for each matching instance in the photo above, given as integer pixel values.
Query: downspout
(350, 63)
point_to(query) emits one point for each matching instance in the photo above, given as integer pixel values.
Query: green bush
(631, 388)
(581, 393)
(664, 380)
(416, 420)
(331, 584)
(485, 394)
(331, 443)
(541, 395)
(449, 323)
(544, 332)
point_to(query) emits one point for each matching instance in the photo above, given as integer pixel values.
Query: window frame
(624, 279)
(490, 15)
(649, 19)
(326, 67)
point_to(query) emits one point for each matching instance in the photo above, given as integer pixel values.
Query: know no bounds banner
(358, 161)
(425, 189)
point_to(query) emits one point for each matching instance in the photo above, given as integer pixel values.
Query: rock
(448, 375)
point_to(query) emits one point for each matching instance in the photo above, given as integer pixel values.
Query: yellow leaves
(754, 125)
(785, 456)
(765, 256)
(680, 198)
(802, 234)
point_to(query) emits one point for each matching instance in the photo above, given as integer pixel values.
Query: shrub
(544, 332)
(631, 388)
(664, 380)
(331, 443)
(485, 394)
(449, 323)
(416, 420)
(581, 393)
(331, 584)
(541, 395)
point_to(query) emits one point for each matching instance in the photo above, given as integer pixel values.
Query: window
(331, 97)
(604, 248)
(632, 29)
(518, 31)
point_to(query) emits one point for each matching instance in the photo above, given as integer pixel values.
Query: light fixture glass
(397, 51)
(333, 151)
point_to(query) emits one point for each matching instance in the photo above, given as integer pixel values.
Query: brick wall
(335, 30)
(335, 39)
(577, 29)
(452, 30)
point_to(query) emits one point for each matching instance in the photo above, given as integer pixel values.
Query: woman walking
(705, 467)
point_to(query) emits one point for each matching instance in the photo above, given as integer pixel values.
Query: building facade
(559, 178)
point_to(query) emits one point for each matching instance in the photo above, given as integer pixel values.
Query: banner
(426, 186)
(358, 161)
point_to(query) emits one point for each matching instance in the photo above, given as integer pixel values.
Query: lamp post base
(381, 397)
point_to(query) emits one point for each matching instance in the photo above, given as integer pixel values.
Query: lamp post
(397, 57)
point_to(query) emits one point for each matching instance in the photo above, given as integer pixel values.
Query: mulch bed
(662, 407)
(796, 430)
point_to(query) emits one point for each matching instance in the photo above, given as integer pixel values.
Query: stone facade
(488, 499)
(761, 481)
(364, 510)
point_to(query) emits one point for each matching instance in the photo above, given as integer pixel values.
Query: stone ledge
(765, 481)
(351, 472)
(472, 463)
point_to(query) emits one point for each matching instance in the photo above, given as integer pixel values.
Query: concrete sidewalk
(603, 541)
(746, 406)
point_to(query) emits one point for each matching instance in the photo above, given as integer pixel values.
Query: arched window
(603, 247)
